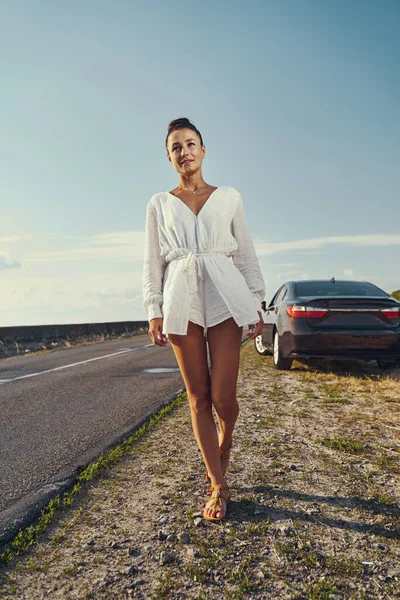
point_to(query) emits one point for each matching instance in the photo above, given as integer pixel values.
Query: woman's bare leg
(191, 354)
(224, 342)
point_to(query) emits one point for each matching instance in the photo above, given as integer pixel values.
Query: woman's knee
(227, 407)
(200, 400)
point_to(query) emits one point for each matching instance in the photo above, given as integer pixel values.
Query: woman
(202, 283)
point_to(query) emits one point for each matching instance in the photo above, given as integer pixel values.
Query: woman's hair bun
(182, 123)
(178, 123)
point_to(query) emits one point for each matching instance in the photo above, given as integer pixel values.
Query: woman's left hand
(256, 329)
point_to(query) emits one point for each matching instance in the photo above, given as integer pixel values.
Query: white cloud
(264, 248)
(289, 265)
(15, 238)
(115, 238)
(83, 298)
(122, 246)
(129, 246)
(114, 293)
(45, 284)
(6, 263)
(368, 278)
(291, 274)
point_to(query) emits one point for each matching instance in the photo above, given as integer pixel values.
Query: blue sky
(298, 102)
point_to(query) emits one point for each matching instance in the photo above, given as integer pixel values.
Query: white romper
(200, 268)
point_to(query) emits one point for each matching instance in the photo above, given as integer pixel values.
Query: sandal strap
(216, 503)
(217, 492)
(217, 496)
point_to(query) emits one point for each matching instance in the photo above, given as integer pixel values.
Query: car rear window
(339, 288)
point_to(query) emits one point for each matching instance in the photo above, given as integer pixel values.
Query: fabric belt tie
(192, 267)
(193, 270)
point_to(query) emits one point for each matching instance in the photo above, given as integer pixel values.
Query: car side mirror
(264, 305)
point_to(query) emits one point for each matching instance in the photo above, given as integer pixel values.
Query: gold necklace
(193, 191)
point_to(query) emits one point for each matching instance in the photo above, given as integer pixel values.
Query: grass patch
(344, 445)
(30, 535)
(277, 393)
(166, 585)
(323, 590)
(241, 577)
(333, 394)
(388, 464)
(190, 514)
(248, 500)
(72, 570)
(344, 567)
(303, 413)
(307, 556)
(335, 399)
(386, 499)
(201, 596)
(201, 569)
(260, 391)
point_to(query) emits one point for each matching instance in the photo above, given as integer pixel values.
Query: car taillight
(391, 313)
(296, 311)
(306, 312)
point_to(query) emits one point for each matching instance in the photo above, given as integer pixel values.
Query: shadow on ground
(256, 512)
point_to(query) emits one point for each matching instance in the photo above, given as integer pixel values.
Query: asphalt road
(58, 411)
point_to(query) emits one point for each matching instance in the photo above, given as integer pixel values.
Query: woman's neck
(192, 182)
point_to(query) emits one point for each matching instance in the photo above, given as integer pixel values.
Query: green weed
(344, 445)
(323, 590)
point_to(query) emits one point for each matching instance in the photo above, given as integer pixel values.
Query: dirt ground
(315, 509)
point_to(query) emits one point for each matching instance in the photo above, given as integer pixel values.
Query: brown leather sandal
(221, 453)
(218, 496)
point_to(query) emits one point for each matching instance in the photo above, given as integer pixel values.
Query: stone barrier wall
(26, 339)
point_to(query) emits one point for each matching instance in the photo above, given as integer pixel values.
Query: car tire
(386, 364)
(281, 363)
(260, 347)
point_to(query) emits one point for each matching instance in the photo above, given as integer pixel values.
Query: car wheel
(260, 347)
(280, 363)
(386, 364)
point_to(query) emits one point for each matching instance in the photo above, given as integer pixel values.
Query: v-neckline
(184, 204)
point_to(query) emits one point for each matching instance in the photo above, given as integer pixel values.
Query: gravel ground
(314, 514)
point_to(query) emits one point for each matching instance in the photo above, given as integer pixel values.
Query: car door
(280, 309)
(270, 318)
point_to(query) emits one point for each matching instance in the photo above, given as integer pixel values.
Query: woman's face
(185, 151)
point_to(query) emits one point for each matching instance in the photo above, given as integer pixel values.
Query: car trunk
(356, 314)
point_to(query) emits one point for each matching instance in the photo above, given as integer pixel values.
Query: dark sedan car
(330, 319)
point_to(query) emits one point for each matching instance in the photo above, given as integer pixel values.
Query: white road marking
(82, 362)
(162, 370)
(128, 349)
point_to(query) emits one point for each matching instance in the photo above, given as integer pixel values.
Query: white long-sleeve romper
(200, 268)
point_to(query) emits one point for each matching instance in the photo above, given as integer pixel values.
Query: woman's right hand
(156, 334)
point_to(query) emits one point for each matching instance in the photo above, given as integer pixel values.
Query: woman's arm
(245, 258)
(153, 268)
